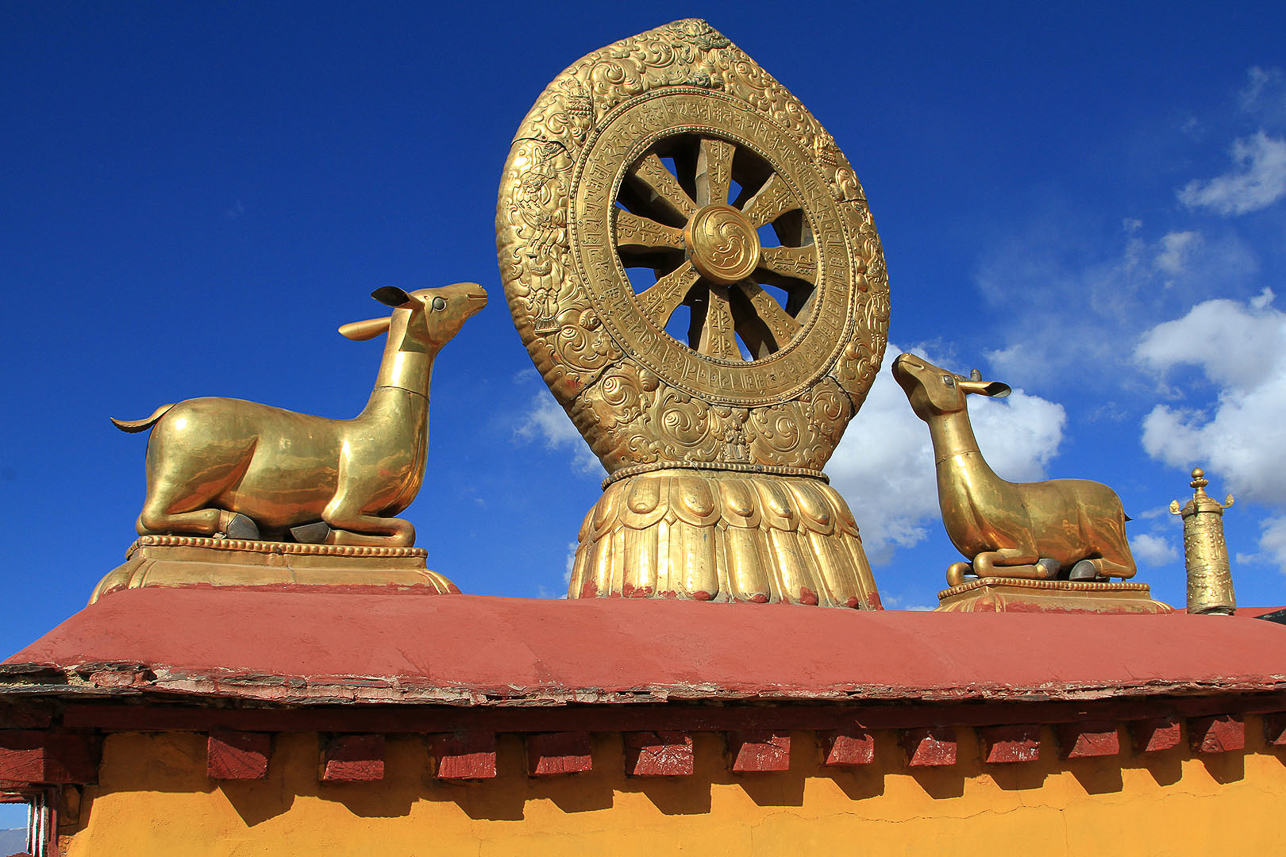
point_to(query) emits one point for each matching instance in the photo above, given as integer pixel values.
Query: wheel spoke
(768, 314)
(634, 233)
(660, 189)
(658, 302)
(714, 171)
(772, 200)
(717, 335)
(797, 262)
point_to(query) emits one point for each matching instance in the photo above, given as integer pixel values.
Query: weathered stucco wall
(154, 798)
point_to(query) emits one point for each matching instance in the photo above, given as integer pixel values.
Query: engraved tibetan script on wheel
(690, 260)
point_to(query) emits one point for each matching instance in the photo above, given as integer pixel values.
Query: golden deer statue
(1064, 528)
(244, 469)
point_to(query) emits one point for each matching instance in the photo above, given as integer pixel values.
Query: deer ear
(363, 330)
(391, 296)
(994, 389)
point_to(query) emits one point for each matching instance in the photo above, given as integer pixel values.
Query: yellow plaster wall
(154, 799)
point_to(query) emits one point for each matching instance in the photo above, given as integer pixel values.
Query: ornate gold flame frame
(669, 175)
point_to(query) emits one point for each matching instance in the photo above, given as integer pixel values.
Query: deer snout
(474, 300)
(904, 368)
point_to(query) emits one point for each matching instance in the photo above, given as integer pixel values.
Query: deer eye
(439, 303)
(948, 380)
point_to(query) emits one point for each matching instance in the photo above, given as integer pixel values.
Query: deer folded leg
(156, 521)
(207, 522)
(956, 573)
(354, 528)
(1090, 569)
(1008, 562)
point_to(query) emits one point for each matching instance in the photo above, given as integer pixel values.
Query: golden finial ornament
(692, 266)
(1205, 553)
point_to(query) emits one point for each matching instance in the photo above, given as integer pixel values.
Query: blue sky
(1083, 201)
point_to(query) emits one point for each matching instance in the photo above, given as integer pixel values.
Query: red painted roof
(462, 647)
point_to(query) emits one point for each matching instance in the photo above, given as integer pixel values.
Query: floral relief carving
(634, 412)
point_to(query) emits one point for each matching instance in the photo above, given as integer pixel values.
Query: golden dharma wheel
(691, 263)
(690, 260)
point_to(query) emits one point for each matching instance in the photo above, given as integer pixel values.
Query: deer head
(934, 391)
(433, 316)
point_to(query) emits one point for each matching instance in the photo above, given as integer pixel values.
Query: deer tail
(133, 426)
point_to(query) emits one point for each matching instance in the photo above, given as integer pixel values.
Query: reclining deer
(1068, 528)
(241, 468)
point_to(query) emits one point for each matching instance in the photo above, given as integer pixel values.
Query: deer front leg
(358, 488)
(1009, 562)
(206, 522)
(348, 526)
(1100, 568)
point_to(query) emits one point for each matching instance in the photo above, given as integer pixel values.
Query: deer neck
(399, 407)
(955, 450)
(407, 364)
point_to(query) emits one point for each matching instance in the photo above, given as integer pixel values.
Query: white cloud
(1241, 348)
(543, 591)
(1175, 250)
(1256, 180)
(886, 457)
(1068, 321)
(1272, 541)
(1265, 91)
(1154, 550)
(899, 602)
(546, 421)
(1235, 344)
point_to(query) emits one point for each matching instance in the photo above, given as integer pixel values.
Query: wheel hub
(722, 244)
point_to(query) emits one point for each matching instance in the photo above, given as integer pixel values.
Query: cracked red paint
(285, 647)
(759, 750)
(1002, 745)
(854, 746)
(1219, 734)
(1088, 740)
(237, 755)
(1155, 734)
(554, 753)
(659, 754)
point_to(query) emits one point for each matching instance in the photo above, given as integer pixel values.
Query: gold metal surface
(692, 265)
(177, 561)
(341, 481)
(1019, 595)
(1063, 528)
(722, 244)
(711, 536)
(601, 242)
(1205, 553)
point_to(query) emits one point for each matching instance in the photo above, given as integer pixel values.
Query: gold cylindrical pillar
(1204, 550)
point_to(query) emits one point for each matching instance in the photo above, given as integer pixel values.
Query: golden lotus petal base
(723, 536)
(1016, 595)
(176, 561)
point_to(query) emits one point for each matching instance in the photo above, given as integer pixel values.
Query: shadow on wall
(176, 763)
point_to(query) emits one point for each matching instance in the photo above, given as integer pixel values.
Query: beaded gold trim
(1056, 585)
(273, 547)
(726, 466)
